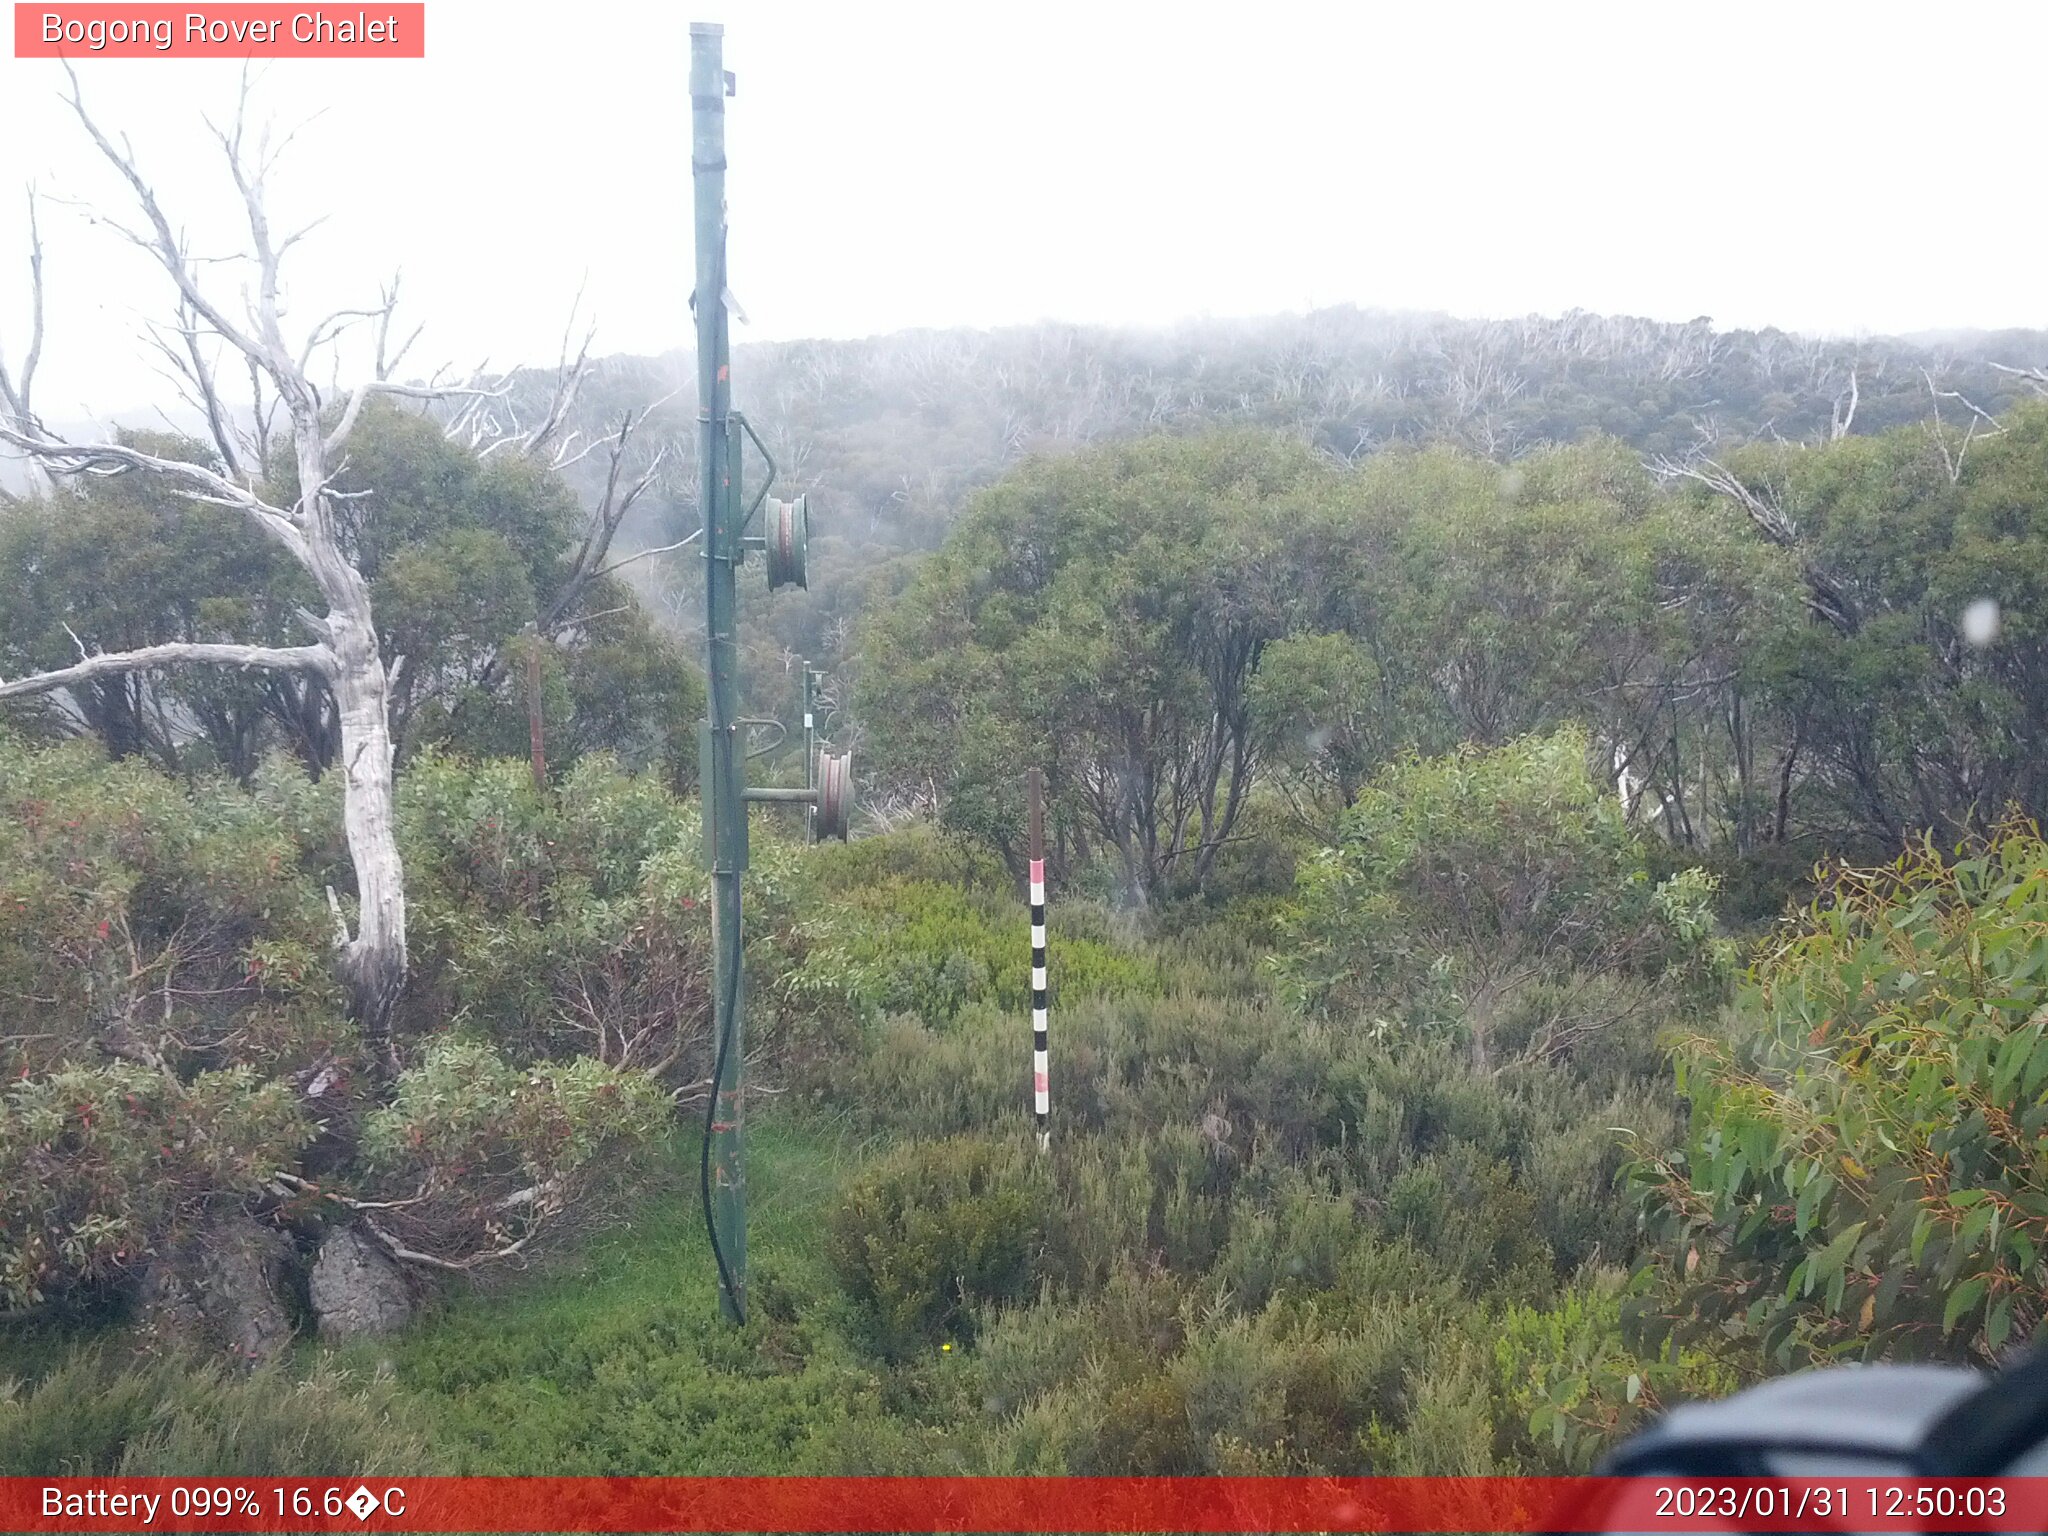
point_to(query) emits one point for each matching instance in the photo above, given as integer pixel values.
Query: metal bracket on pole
(767, 480)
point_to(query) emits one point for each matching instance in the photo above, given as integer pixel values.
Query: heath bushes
(929, 950)
(1499, 898)
(101, 1416)
(1861, 1175)
(936, 1228)
(174, 1048)
(145, 921)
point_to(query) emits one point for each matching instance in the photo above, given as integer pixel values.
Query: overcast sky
(1862, 167)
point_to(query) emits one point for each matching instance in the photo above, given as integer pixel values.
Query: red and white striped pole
(1041, 1088)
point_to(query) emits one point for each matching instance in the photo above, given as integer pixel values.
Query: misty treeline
(472, 564)
(1770, 652)
(888, 434)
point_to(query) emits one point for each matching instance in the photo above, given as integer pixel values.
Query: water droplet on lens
(1980, 622)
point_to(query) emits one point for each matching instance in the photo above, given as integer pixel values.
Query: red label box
(378, 30)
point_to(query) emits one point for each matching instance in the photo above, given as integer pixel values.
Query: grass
(614, 1362)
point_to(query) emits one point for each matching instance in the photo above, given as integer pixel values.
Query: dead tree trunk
(345, 650)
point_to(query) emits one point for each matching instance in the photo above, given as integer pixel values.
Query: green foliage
(577, 920)
(126, 562)
(919, 854)
(466, 1106)
(1500, 894)
(498, 1151)
(1145, 1378)
(1105, 608)
(1436, 1154)
(1859, 1176)
(171, 1033)
(143, 920)
(1575, 1386)
(462, 555)
(612, 1360)
(102, 1416)
(936, 1228)
(616, 685)
(1903, 722)
(99, 1164)
(930, 950)
(164, 973)
(1316, 699)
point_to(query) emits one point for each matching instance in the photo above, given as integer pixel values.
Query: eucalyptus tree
(1102, 614)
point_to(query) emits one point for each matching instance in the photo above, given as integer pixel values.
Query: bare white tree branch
(16, 389)
(301, 658)
(1979, 419)
(1844, 410)
(2036, 376)
(348, 656)
(1765, 508)
(660, 549)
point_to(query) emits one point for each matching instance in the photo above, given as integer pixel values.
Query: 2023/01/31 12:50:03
(1802, 1500)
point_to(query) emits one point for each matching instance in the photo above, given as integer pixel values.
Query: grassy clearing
(613, 1361)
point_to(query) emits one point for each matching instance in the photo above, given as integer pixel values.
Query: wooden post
(1041, 1088)
(535, 734)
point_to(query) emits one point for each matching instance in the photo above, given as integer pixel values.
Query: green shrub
(98, 1164)
(101, 1416)
(1470, 1214)
(497, 1154)
(146, 919)
(1861, 1171)
(1148, 1378)
(1570, 1385)
(920, 854)
(168, 998)
(930, 950)
(934, 1229)
(1459, 880)
(1295, 1245)
(576, 921)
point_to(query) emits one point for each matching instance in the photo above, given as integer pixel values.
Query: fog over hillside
(887, 434)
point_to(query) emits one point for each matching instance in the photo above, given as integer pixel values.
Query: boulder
(222, 1286)
(357, 1291)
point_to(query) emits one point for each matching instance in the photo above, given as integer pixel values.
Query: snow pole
(1041, 1087)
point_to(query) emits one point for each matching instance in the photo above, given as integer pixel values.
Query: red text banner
(228, 31)
(1020, 1504)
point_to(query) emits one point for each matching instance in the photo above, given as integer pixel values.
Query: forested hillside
(889, 434)
(1547, 913)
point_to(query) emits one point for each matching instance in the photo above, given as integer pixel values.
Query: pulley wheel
(835, 795)
(787, 533)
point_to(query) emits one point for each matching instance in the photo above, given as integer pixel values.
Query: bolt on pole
(725, 820)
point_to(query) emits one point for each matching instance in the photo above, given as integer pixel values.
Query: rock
(357, 1291)
(222, 1286)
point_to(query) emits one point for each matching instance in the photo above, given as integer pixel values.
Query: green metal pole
(725, 817)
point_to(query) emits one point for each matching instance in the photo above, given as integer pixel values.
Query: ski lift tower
(722, 756)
